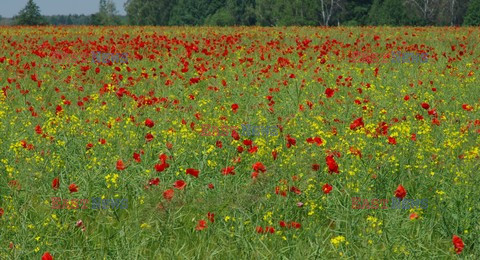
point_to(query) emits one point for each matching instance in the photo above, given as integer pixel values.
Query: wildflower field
(355, 133)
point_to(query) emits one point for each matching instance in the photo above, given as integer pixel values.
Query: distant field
(105, 157)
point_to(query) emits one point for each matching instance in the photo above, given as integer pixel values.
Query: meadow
(131, 131)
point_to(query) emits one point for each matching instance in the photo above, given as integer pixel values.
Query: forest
(268, 13)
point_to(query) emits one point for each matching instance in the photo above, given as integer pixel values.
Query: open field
(355, 130)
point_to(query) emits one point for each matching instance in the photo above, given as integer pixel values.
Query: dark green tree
(243, 11)
(94, 19)
(296, 12)
(223, 17)
(231, 12)
(194, 12)
(355, 12)
(424, 12)
(473, 13)
(149, 12)
(266, 12)
(107, 14)
(388, 12)
(30, 15)
(288, 12)
(305, 12)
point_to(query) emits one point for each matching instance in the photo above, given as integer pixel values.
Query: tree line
(270, 13)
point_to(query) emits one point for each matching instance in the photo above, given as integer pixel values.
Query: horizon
(57, 7)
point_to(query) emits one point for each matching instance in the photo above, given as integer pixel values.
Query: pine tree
(30, 15)
(473, 13)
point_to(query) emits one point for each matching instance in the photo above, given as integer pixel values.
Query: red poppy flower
(240, 149)
(15, 184)
(316, 140)
(357, 123)
(382, 128)
(211, 217)
(295, 190)
(356, 152)
(163, 157)
(290, 141)
(155, 181)
(148, 137)
(425, 105)
(149, 122)
(271, 230)
(253, 149)
(458, 244)
(332, 164)
(400, 192)
(180, 184)
(1, 212)
(315, 167)
(219, 144)
(210, 186)
(55, 183)
(58, 109)
(413, 216)
(168, 194)
(254, 175)
(120, 165)
(296, 225)
(192, 172)
(38, 129)
(47, 256)
(202, 224)
(235, 135)
(73, 188)
(327, 188)
(234, 108)
(89, 146)
(258, 166)
(329, 92)
(79, 223)
(406, 98)
(161, 167)
(194, 81)
(467, 107)
(392, 140)
(414, 137)
(136, 157)
(282, 224)
(247, 142)
(229, 170)
(274, 154)
(259, 229)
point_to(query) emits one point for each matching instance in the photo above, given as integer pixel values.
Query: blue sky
(9, 8)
